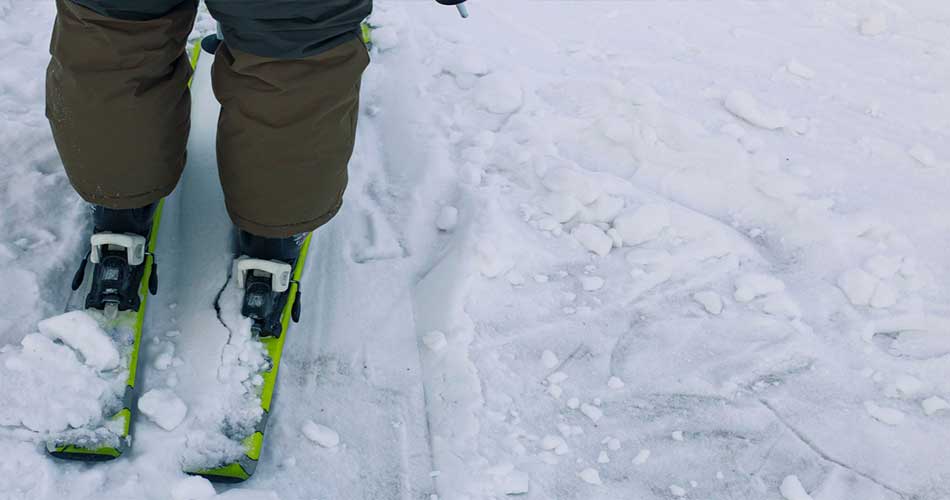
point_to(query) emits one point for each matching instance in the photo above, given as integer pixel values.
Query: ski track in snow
(636, 250)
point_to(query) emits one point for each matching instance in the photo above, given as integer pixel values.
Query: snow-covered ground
(590, 250)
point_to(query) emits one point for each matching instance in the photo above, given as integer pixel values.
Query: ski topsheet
(244, 466)
(125, 328)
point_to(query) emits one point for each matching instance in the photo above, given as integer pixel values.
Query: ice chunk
(594, 413)
(792, 489)
(590, 476)
(447, 219)
(643, 224)
(593, 238)
(592, 283)
(82, 332)
(434, 340)
(549, 359)
(934, 404)
(889, 416)
(320, 434)
(711, 301)
(163, 407)
(193, 488)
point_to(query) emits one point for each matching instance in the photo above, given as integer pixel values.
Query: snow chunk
(745, 106)
(592, 283)
(590, 476)
(555, 443)
(549, 359)
(561, 206)
(517, 483)
(754, 285)
(320, 434)
(800, 70)
(81, 332)
(858, 285)
(882, 266)
(385, 38)
(163, 407)
(594, 413)
(447, 219)
(885, 296)
(603, 457)
(434, 340)
(677, 491)
(908, 385)
(889, 416)
(615, 383)
(874, 25)
(924, 155)
(792, 489)
(593, 238)
(498, 93)
(934, 404)
(643, 225)
(193, 488)
(711, 301)
(617, 130)
(573, 403)
(677, 436)
(641, 457)
(566, 180)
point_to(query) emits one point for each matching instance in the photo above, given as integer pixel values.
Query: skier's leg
(117, 97)
(288, 83)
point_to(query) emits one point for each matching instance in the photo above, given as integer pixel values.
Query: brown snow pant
(119, 106)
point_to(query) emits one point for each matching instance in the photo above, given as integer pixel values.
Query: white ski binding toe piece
(278, 271)
(133, 244)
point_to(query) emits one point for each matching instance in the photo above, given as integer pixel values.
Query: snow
(883, 414)
(447, 219)
(745, 106)
(193, 488)
(163, 407)
(83, 333)
(593, 239)
(590, 476)
(753, 158)
(642, 225)
(792, 489)
(321, 434)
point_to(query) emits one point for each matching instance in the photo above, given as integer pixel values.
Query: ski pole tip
(463, 10)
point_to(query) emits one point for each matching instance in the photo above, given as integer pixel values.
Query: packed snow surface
(589, 250)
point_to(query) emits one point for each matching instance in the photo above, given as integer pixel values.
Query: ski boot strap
(280, 272)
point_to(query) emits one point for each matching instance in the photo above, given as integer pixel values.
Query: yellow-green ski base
(244, 467)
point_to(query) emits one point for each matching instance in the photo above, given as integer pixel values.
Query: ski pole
(463, 10)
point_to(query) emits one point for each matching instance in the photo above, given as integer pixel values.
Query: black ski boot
(117, 252)
(265, 271)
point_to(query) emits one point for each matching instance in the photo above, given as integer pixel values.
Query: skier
(287, 76)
